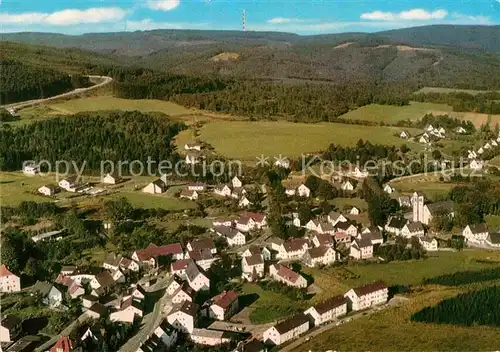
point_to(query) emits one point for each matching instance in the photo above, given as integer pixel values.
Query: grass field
(111, 103)
(247, 140)
(493, 222)
(495, 161)
(391, 329)
(151, 201)
(428, 184)
(450, 90)
(15, 188)
(393, 114)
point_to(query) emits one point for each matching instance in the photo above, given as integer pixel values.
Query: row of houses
(356, 299)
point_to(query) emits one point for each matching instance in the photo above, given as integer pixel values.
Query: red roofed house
(8, 281)
(62, 345)
(287, 276)
(223, 306)
(150, 254)
(366, 296)
(293, 248)
(259, 219)
(179, 267)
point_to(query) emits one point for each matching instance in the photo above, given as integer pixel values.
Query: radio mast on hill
(244, 20)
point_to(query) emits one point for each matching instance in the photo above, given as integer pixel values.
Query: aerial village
(170, 295)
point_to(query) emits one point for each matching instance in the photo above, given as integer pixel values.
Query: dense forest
(363, 152)
(488, 103)
(464, 277)
(19, 82)
(91, 137)
(471, 308)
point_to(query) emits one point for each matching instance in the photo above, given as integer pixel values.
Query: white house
(183, 316)
(319, 256)
(429, 244)
(487, 146)
(322, 239)
(423, 140)
(50, 295)
(395, 225)
(252, 267)
(476, 233)
(179, 267)
(8, 281)
(367, 296)
(129, 310)
(111, 179)
(361, 248)
(429, 128)
(223, 306)
(347, 228)
(31, 170)
(347, 186)
(282, 162)
(328, 310)
(183, 293)
(388, 189)
(236, 182)
(287, 330)
(414, 228)
(244, 202)
(480, 151)
(287, 276)
(232, 235)
(223, 190)
(197, 186)
(196, 279)
(192, 146)
(207, 337)
(174, 284)
(68, 183)
(48, 190)
(188, 194)
(255, 250)
(460, 130)
(155, 187)
(404, 135)
(293, 248)
(354, 211)
(476, 164)
(441, 130)
(335, 217)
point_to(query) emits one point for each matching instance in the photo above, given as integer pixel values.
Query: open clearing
(111, 103)
(450, 90)
(393, 114)
(247, 140)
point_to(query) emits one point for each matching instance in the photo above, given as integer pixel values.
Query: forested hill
(146, 42)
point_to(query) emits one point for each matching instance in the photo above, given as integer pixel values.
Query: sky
(296, 16)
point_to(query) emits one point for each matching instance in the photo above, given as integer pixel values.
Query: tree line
(363, 152)
(487, 103)
(92, 137)
(20, 82)
(464, 277)
(471, 308)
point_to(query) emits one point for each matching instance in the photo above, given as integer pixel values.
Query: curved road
(29, 103)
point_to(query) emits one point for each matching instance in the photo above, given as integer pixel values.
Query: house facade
(287, 330)
(287, 276)
(328, 310)
(322, 255)
(8, 281)
(367, 296)
(477, 233)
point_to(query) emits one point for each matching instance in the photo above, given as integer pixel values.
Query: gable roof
(99, 308)
(318, 252)
(200, 254)
(287, 273)
(257, 217)
(255, 259)
(329, 304)
(253, 249)
(192, 271)
(478, 228)
(445, 206)
(63, 344)
(227, 231)
(323, 238)
(344, 225)
(295, 244)
(225, 299)
(202, 243)
(4, 271)
(415, 226)
(180, 264)
(370, 288)
(154, 251)
(397, 222)
(363, 242)
(186, 307)
(291, 323)
(105, 279)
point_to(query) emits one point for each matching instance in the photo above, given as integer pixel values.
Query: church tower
(417, 203)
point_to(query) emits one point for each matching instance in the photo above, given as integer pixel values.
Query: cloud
(409, 15)
(67, 17)
(460, 18)
(163, 5)
(281, 20)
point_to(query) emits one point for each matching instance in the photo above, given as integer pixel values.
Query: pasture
(393, 114)
(450, 90)
(247, 140)
(16, 187)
